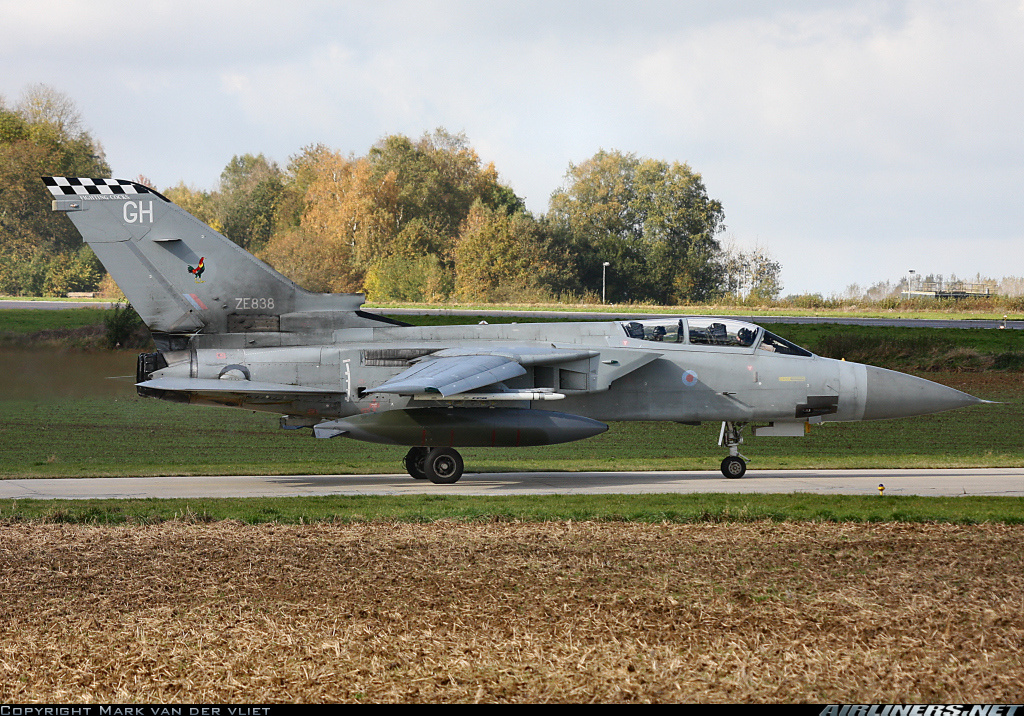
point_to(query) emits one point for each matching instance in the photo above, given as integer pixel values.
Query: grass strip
(61, 434)
(32, 320)
(652, 509)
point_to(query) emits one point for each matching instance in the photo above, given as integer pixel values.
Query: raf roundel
(690, 378)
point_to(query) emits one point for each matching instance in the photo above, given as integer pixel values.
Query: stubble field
(512, 612)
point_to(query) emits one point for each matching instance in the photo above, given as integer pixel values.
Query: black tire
(443, 466)
(733, 467)
(413, 462)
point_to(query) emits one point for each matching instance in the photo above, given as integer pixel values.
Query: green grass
(909, 348)
(613, 508)
(121, 434)
(60, 416)
(31, 320)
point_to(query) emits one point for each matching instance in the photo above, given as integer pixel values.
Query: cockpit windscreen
(701, 331)
(773, 344)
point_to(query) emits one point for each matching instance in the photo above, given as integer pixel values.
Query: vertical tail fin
(181, 275)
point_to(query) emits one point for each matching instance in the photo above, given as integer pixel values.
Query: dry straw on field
(567, 612)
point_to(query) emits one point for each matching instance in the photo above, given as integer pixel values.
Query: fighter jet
(231, 331)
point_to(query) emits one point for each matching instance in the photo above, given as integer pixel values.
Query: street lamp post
(604, 268)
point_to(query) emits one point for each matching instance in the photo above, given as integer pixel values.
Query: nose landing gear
(731, 437)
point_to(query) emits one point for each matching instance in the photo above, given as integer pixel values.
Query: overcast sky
(854, 141)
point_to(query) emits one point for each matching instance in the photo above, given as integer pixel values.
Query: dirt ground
(508, 612)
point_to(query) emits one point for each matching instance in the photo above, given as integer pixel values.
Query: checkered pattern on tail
(71, 186)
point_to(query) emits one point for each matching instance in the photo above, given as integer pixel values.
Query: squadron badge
(198, 270)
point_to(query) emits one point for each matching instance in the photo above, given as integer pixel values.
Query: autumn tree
(246, 201)
(651, 220)
(298, 175)
(42, 135)
(349, 221)
(43, 106)
(439, 177)
(386, 222)
(200, 204)
(501, 256)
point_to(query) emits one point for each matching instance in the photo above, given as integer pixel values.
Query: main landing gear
(440, 465)
(731, 437)
(444, 466)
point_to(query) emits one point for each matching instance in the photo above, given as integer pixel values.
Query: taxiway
(986, 481)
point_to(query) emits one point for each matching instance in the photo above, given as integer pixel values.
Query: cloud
(854, 134)
(847, 138)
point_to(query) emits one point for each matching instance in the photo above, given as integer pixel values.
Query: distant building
(919, 288)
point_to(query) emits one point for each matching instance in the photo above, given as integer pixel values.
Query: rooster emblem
(198, 270)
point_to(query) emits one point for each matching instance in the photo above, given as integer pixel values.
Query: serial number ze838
(254, 303)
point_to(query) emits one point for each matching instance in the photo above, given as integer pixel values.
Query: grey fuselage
(623, 378)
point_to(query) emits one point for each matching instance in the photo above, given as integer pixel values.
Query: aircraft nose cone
(891, 394)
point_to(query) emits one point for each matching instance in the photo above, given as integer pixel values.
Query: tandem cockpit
(701, 331)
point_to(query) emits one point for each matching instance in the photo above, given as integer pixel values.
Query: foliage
(40, 250)
(651, 220)
(246, 204)
(438, 177)
(386, 223)
(424, 219)
(752, 276)
(348, 221)
(23, 271)
(78, 271)
(200, 204)
(499, 255)
(408, 278)
(122, 322)
(300, 173)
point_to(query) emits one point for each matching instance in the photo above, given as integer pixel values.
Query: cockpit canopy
(708, 331)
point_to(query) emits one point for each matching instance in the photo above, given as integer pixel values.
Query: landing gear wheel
(443, 466)
(733, 467)
(413, 462)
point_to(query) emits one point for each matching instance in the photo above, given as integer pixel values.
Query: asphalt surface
(52, 305)
(987, 481)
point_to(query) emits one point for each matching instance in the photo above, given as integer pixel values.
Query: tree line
(42, 254)
(422, 220)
